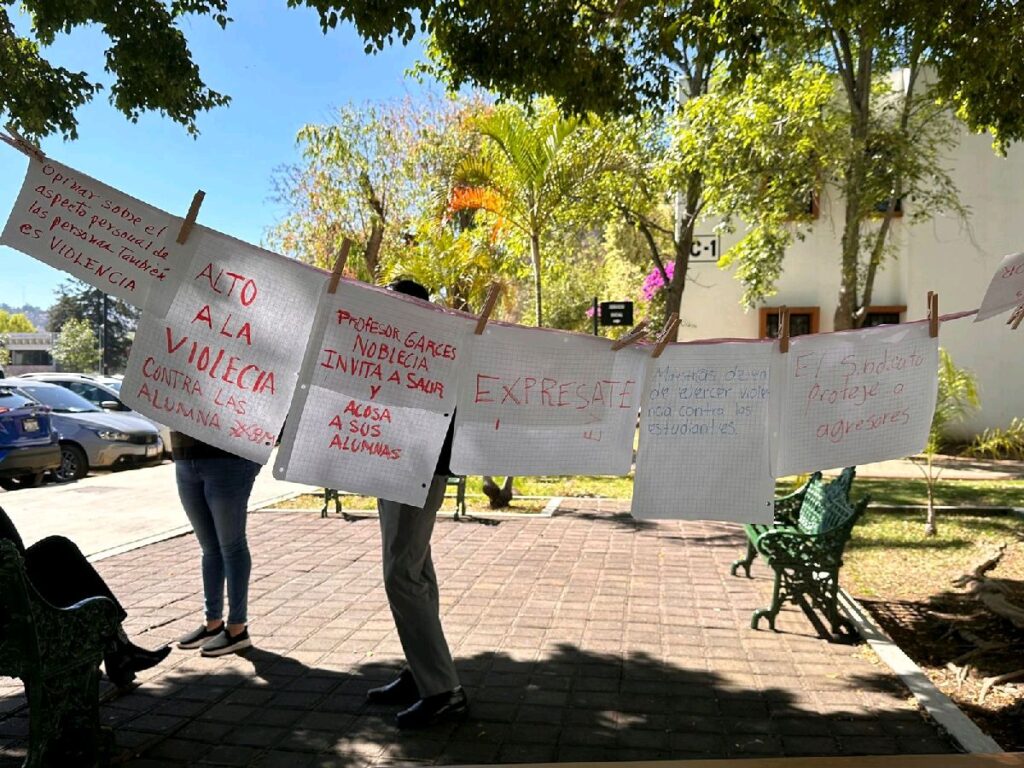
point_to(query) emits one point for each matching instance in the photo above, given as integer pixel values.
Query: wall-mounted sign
(706, 248)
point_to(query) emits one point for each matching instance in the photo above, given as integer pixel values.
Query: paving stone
(585, 636)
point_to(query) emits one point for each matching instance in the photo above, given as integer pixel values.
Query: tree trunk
(499, 497)
(930, 528)
(373, 249)
(535, 257)
(857, 80)
(682, 241)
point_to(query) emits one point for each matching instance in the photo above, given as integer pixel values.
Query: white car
(104, 391)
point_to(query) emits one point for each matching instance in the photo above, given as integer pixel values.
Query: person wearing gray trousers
(429, 683)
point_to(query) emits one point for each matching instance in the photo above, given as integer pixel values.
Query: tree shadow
(943, 633)
(569, 705)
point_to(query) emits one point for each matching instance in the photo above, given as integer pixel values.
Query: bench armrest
(65, 637)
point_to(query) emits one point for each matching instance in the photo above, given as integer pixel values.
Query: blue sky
(281, 73)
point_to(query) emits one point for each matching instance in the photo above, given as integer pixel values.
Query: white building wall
(946, 254)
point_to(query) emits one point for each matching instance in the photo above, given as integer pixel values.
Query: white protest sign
(541, 402)
(855, 397)
(376, 394)
(704, 434)
(222, 365)
(1006, 289)
(110, 240)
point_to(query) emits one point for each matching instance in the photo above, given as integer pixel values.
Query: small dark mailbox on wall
(616, 313)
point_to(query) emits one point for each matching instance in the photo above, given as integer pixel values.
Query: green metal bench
(56, 652)
(459, 481)
(804, 547)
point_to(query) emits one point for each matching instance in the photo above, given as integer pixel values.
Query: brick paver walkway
(586, 636)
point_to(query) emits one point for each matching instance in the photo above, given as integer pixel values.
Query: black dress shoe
(441, 708)
(401, 690)
(122, 664)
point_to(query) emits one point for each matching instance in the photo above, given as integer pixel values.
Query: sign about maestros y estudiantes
(94, 232)
(376, 394)
(705, 421)
(221, 365)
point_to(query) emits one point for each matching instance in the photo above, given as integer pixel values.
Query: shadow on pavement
(572, 705)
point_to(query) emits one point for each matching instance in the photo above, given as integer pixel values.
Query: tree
(533, 165)
(957, 396)
(15, 323)
(75, 348)
(112, 320)
(11, 323)
(894, 141)
(370, 176)
(626, 56)
(148, 58)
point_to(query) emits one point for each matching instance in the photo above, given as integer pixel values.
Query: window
(884, 315)
(802, 320)
(90, 392)
(30, 357)
(897, 210)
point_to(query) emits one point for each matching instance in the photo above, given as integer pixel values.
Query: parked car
(29, 445)
(104, 391)
(90, 437)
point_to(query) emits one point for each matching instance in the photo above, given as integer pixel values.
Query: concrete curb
(940, 707)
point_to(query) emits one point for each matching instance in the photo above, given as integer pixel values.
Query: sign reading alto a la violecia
(100, 235)
(221, 365)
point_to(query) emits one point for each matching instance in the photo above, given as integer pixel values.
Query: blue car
(29, 444)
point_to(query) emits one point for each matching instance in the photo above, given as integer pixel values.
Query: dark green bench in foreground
(56, 652)
(804, 547)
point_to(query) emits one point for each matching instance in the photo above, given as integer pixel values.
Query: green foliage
(78, 301)
(75, 348)
(997, 443)
(148, 57)
(957, 397)
(379, 175)
(15, 323)
(533, 166)
(603, 56)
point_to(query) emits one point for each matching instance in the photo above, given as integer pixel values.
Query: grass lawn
(999, 493)
(889, 556)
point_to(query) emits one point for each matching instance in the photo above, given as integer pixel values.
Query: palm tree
(957, 396)
(538, 163)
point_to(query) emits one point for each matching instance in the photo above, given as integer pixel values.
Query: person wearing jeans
(214, 488)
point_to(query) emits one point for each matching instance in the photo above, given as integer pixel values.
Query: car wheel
(73, 464)
(22, 481)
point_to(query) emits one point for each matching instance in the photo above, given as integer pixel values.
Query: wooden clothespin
(339, 265)
(783, 329)
(666, 334)
(1015, 317)
(22, 144)
(933, 314)
(492, 299)
(190, 217)
(638, 332)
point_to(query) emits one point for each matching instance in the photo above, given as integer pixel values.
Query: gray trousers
(411, 586)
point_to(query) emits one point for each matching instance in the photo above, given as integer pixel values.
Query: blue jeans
(215, 495)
